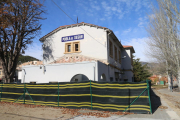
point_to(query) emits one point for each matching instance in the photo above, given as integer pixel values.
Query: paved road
(158, 113)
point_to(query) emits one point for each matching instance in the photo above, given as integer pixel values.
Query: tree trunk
(169, 81)
(8, 78)
(178, 79)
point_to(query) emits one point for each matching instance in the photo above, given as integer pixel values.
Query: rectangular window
(72, 47)
(110, 49)
(76, 46)
(119, 56)
(115, 50)
(69, 48)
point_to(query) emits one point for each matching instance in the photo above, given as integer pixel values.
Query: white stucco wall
(59, 72)
(96, 48)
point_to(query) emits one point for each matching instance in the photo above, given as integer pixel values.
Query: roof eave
(70, 26)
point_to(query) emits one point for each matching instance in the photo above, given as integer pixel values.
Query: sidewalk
(172, 98)
(166, 91)
(158, 113)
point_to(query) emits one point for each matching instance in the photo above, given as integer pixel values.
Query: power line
(75, 22)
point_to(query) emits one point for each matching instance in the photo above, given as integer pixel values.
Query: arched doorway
(79, 78)
(103, 77)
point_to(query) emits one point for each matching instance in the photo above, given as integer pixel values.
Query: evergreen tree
(140, 71)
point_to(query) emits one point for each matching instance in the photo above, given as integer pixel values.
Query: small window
(115, 50)
(125, 79)
(69, 48)
(110, 49)
(76, 46)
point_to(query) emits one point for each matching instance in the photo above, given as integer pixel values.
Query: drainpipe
(108, 51)
(94, 69)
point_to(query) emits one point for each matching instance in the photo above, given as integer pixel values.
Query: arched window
(103, 77)
(79, 78)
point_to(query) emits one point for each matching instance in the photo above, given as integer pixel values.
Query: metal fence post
(91, 94)
(148, 87)
(58, 94)
(24, 92)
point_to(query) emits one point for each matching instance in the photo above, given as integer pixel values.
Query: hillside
(24, 59)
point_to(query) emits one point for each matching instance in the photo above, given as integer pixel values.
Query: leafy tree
(19, 25)
(140, 71)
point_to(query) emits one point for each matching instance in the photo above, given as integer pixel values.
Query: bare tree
(19, 24)
(164, 39)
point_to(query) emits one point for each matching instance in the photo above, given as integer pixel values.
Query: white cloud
(139, 46)
(62, 3)
(102, 19)
(142, 21)
(125, 32)
(110, 9)
(116, 33)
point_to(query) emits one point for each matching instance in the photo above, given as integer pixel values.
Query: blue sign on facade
(72, 37)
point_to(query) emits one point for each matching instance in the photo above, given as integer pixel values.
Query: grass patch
(159, 86)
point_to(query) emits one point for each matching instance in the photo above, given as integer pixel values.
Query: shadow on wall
(48, 49)
(155, 101)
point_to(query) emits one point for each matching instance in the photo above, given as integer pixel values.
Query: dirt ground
(21, 112)
(13, 111)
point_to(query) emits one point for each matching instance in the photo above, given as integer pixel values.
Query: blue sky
(127, 19)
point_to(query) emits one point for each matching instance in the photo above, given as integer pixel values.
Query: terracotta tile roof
(31, 63)
(76, 58)
(72, 25)
(130, 47)
(127, 46)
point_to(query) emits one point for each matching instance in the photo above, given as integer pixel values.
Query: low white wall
(59, 72)
(19, 75)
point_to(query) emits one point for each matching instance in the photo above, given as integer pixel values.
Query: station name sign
(72, 37)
